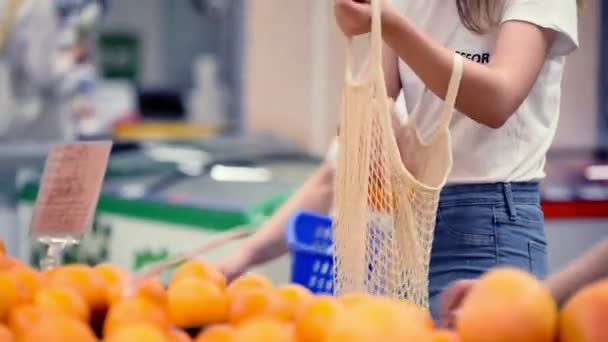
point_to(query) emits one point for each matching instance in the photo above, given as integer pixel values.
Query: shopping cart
(309, 239)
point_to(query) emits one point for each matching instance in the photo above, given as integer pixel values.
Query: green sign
(119, 56)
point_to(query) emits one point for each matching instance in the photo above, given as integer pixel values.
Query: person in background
(589, 268)
(33, 68)
(508, 107)
(79, 23)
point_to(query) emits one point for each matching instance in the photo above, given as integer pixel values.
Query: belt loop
(508, 192)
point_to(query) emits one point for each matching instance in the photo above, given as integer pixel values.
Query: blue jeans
(481, 226)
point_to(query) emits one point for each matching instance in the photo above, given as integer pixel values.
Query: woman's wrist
(395, 28)
(390, 17)
(236, 264)
(245, 256)
(555, 291)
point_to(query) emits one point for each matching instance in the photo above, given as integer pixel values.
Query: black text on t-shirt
(482, 58)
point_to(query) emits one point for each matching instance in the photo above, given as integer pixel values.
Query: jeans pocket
(465, 226)
(464, 246)
(538, 259)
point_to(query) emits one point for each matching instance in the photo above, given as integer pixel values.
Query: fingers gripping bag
(385, 212)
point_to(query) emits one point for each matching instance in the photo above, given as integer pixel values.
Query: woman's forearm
(503, 84)
(315, 195)
(585, 270)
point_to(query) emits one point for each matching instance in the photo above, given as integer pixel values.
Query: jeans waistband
(491, 194)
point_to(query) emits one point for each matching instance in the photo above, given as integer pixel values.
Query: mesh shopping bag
(385, 211)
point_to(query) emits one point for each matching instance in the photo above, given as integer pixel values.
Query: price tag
(69, 189)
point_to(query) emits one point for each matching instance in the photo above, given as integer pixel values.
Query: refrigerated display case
(152, 207)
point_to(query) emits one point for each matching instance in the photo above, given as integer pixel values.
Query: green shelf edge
(196, 218)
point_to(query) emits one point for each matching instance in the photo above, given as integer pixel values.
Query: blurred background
(218, 110)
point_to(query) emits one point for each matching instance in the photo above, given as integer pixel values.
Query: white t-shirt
(516, 151)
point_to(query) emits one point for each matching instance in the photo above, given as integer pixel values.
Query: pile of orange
(82, 303)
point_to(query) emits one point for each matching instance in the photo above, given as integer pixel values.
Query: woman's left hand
(354, 17)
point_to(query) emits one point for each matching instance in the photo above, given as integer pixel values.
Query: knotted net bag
(385, 211)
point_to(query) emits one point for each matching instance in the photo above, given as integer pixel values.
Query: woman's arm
(268, 243)
(519, 55)
(585, 270)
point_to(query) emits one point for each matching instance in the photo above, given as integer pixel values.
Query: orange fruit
(354, 298)
(178, 335)
(585, 315)
(24, 317)
(12, 293)
(114, 278)
(141, 332)
(422, 314)
(256, 303)
(8, 263)
(62, 300)
(315, 318)
(153, 290)
(379, 197)
(217, 333)
(111, 274)
(446, 336)
(199, 269)
(351, 300)
(247, 282)
(194, 302)
(30, 281)
(5, 334)
(150, 289)
(59, 328)
(507, 304)
(294, 298)
(88, 283)
(264, 330)
(134, 310)
(378, 320)
(114, 294)
(47, 274)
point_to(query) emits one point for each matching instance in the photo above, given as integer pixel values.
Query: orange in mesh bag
(385, 211)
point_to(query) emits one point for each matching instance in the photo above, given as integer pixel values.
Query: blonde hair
(479, 16)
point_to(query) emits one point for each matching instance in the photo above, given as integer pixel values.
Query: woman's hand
(451, 301)
(236, 265)
(354, 17)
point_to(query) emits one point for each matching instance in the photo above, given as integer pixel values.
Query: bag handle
(452, 93)
(374, 69)
(376, 74)
(449, 102)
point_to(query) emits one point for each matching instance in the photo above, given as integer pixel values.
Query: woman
(489, 213)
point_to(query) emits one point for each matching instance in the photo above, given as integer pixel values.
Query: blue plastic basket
(309, 239)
